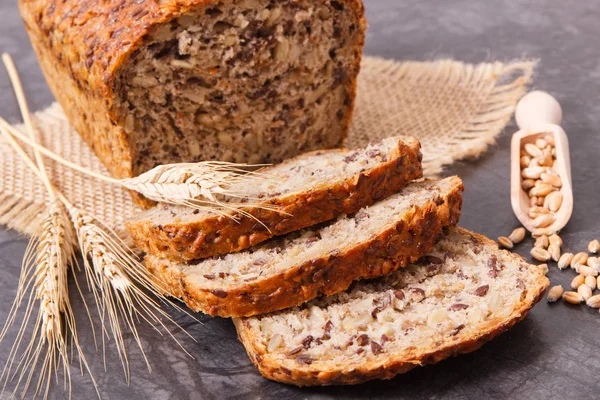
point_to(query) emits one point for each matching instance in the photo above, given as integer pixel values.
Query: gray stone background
(552, 354)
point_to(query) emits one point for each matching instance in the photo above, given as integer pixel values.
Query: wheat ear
(115, 269)
(44, 277)
(221, 187)
(121, 285)
(46, 263)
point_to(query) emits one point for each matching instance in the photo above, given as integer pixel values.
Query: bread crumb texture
(462, 294)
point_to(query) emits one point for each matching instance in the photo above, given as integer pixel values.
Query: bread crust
(291, 372)
(221, 235)
(406, 241)
(83, 45)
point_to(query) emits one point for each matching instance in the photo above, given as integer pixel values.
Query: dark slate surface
(552, 354)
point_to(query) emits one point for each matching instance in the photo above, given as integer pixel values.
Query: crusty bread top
(94, 38)
(280, 254)
(301, 174)
(466, 289)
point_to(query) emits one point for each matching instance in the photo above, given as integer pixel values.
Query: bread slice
(462, 295)
(303, 191)
(288, 271)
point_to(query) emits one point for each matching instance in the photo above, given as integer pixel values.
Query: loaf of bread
(298, 193)
(150, 82)
(291, 270)
(462, 295)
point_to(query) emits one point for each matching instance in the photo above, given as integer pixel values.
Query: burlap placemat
(456, 110)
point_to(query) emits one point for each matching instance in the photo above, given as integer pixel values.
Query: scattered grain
(586, 271)
(542, 242)
(594, 262)
(577, 281)
(554, 251)
(585, 291)
(517, 235)
(556, 240)
(555, 293)
(572, 297)
(505, 242)
(593, 301)
(565, 260)
(591, 282)
(579, 258)
(540, 254)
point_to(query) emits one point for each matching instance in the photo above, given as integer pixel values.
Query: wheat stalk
(48, 258)
(216, 186)
(121, 286)
(119, 283)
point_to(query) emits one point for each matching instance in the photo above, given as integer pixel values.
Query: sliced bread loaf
(149, 82)
(291, 270)
(301, 192)
(462, 295)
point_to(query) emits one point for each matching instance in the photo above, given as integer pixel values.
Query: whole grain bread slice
(463, 294)
(291, 270)
(302, 192)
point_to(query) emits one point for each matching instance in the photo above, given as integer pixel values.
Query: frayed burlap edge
(455, 109)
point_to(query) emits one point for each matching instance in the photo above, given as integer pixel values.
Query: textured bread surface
(463, 294)
(153, 82)
(301, 192)
(293, 269)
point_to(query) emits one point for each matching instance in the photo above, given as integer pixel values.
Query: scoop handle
(537, 108)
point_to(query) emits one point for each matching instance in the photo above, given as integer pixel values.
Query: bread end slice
(415, 316)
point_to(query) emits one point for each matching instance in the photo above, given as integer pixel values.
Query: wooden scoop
(538, 115)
